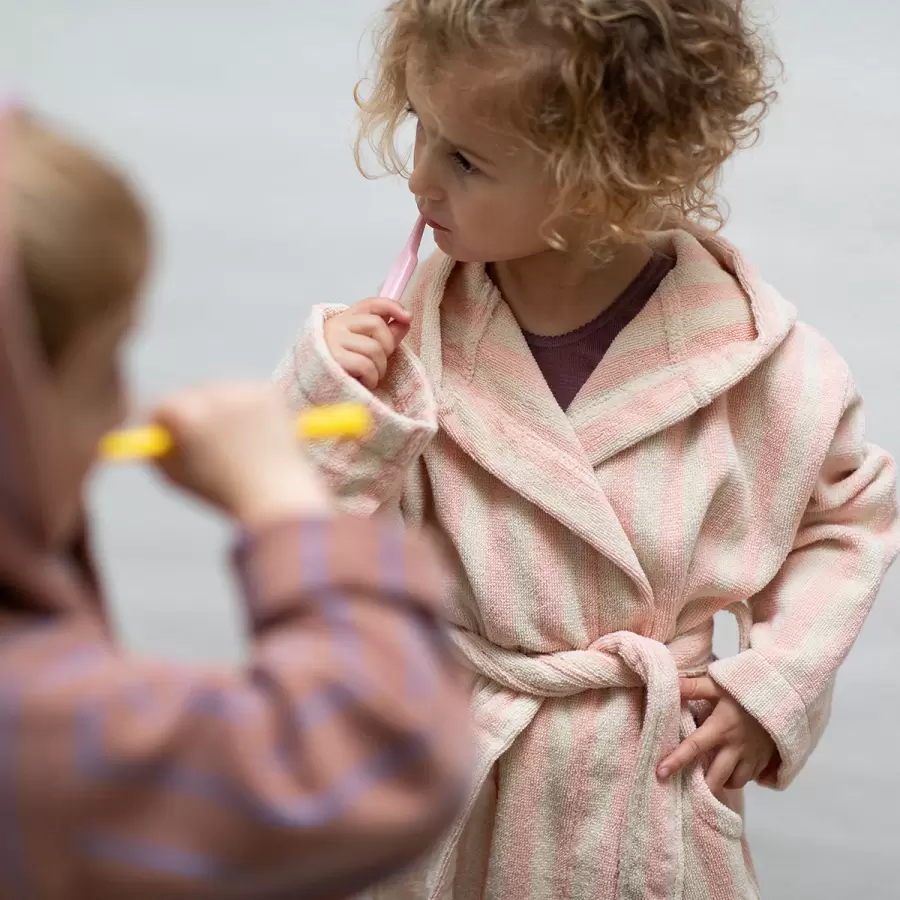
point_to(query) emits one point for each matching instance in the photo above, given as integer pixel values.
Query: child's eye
(464, 164)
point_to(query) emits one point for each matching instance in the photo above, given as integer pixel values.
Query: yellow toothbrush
(344, 421)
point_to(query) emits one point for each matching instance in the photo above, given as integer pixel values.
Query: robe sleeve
(807, 619)
(368, 475)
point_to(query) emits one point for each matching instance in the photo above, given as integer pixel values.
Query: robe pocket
(716, 814)
(716, 863)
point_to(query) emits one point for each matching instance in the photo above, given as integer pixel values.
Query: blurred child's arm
(809, 616)
(363, 476)
(332, 761)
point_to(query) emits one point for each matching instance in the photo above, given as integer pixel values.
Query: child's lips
(432, 224)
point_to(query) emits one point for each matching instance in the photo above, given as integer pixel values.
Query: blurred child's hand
(741, 749)
(363, 338)
(236, 448)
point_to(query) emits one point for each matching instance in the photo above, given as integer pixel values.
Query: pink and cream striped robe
(714, 460)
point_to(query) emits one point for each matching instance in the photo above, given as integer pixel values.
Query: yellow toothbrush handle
(346, 421)
(136, 443)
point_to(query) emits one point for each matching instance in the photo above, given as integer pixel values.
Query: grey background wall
(236, 118)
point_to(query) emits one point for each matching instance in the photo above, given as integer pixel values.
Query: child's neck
(553, 293)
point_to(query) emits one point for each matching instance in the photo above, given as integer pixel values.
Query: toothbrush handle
(319, 423)
(406, 263)
(399, 277)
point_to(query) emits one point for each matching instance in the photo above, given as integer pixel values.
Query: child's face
(485, 195)
(93, 397)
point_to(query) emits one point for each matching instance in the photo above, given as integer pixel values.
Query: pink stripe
(641, 405)
(770, 459)
(710, 847)
(807, 606)
(620, 480)
(694, 298)
(671, 534)
(501, 567)
(518, 871)
(616, 371)
(555, 600)
(717, 340)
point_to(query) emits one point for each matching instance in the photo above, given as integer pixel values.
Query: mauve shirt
(568, 360)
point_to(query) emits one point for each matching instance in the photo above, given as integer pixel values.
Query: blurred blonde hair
(81, 235)
(634, 105)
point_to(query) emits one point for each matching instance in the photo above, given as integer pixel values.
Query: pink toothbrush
(405, 265)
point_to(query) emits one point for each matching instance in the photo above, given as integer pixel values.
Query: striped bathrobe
(714, 460)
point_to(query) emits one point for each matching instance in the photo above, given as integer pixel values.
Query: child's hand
(363, 338)
(741, 748)
(236, 448)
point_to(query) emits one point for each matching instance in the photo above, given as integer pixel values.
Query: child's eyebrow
(477, 157)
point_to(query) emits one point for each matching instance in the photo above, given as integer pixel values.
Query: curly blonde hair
(634, 105)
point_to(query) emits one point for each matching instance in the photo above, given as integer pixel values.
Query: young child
(336, 756)
(617, 429)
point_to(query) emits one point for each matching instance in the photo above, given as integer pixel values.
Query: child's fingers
(374, 327)
(723, 766)
(359, 367)
(399, 330)
(381, 306)
(363, 345)
(743, 774)
(707, 737)
(763, 766)
(700, 689)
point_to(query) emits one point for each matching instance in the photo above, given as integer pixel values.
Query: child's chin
(446, 244)
(443, 240)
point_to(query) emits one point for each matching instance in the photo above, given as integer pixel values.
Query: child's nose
(422, 182)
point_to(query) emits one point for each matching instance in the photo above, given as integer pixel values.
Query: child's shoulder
(809, 339)
(803, 349)
(797, 356)
(806, 374)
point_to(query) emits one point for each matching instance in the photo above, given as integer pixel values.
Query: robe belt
(619, 660)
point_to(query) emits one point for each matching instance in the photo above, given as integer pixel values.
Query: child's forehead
(460, 98)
